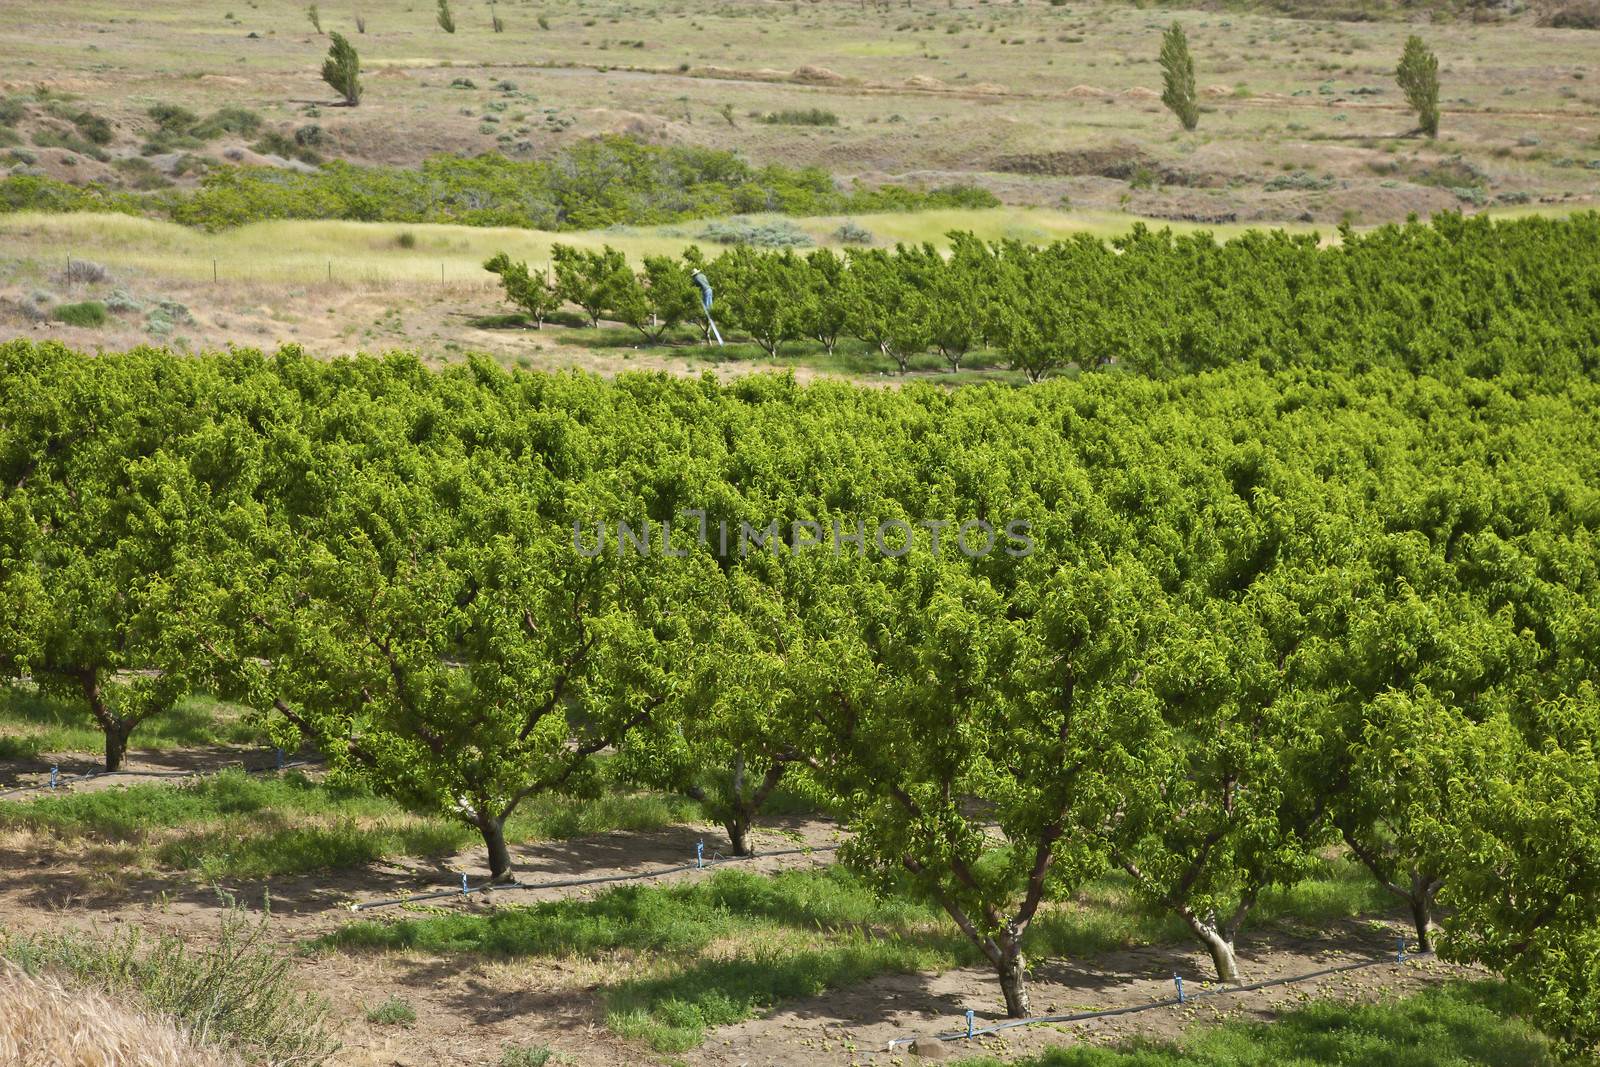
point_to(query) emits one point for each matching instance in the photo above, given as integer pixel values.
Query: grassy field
(1037, 101)
(358, 253)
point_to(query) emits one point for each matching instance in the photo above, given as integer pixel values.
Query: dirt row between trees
(469, 1008)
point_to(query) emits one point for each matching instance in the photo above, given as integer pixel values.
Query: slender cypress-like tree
(1177, 76)
(342, 69)
(1418, 75)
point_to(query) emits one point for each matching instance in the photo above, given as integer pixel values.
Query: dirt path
(32, 776)
(856, 1025)
(469, 1008)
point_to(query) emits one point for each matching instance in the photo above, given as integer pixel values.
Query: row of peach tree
(1217, 625)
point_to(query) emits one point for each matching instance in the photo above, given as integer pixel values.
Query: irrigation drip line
(58, 781)
(699, 864)
(1170, 1002)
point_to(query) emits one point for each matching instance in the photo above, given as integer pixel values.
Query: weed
(393, 1012)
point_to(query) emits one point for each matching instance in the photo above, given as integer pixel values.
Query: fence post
(55, 773)
(1177, 980)
(969, 1024)
(700, 854)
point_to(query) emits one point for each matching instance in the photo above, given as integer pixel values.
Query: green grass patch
(795, 934)
(239, 825)
(1463, 1024)
(84, 313)
(393, 1012)
(34, 723)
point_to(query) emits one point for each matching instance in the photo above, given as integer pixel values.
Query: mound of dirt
(922, 81)
(602, 120)
(45, 1024)
(1084, 91)
(811, 75)
(1217, 90)
(1139, 92)
(988, 89)
(1121, 161)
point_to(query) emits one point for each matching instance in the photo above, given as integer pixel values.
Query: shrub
(235, 120)
(777, 233)
(813, 116)
(121, 300)
(86, 313)
(84, 272)
(237, 991)
(525, 1056)
(59, 1024)
(172, 118)
(447, 21)
(853, 233)
(94, 128)
(406, 240)
(1579, 16)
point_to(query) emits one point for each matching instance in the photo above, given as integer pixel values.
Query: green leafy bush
(85, 313)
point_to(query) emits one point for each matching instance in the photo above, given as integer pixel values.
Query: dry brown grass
(45, 1023)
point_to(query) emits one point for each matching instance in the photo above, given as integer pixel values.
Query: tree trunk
(116, 744)
(494, 838)
(1421, 900)
(1012, 968)
(1216, 941)
(116, 727)
(738, 827)
(1222, 955)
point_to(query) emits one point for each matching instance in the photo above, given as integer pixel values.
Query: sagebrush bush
(775, 233)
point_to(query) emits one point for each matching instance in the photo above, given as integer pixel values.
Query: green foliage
(342, 69)
(236, 991)
(812, 116)
(1178, 90)
(84, 313)
(393, 1012)
(591, 185)
(777, 233)
(533, 293)
(1418, 77)
(446, 20)
(525, 1056)
(1334, 580)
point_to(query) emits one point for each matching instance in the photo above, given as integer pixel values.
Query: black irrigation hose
(568, 883)
(60, 781)
(1170, 1002)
